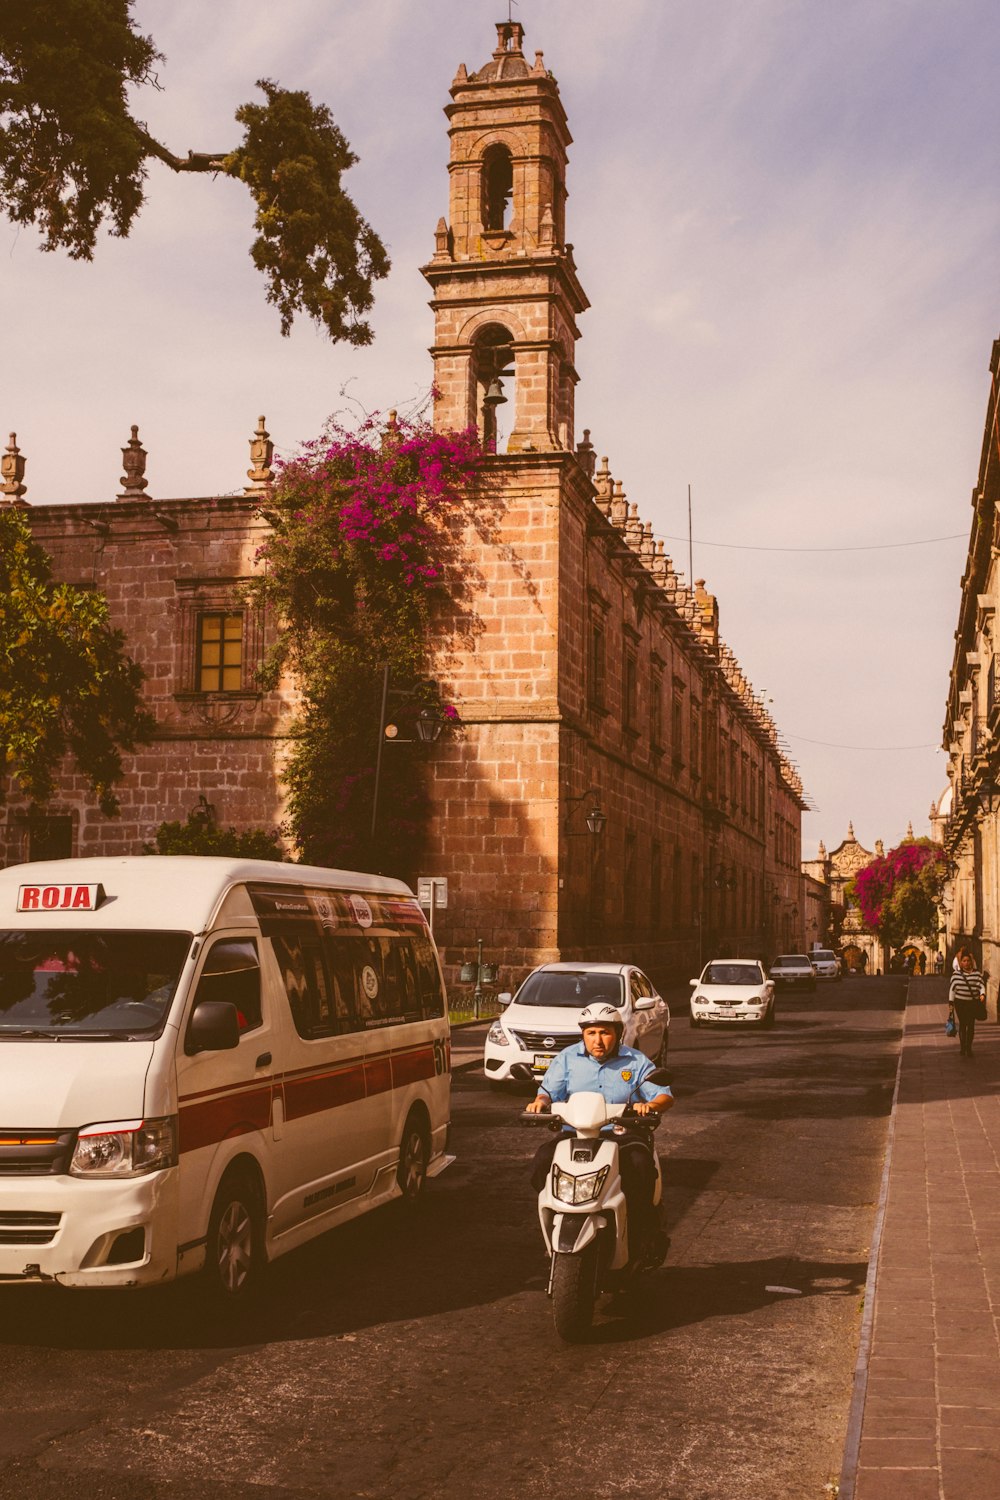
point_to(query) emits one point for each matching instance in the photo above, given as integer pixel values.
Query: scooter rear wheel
(574, 1292)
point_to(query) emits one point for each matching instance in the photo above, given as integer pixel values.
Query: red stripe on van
(237, 1109)
(411, 1066)
(217, 1119)
(378, 1075)
(321, 1091)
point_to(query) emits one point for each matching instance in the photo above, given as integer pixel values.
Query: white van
(207, 1062)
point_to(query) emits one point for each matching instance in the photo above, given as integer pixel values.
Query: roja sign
(60, 897)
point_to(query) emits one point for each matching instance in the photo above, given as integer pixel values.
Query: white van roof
(168, 892)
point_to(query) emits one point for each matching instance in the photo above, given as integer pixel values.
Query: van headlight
(497, 1035)
(125, 1148)
(571, 1189)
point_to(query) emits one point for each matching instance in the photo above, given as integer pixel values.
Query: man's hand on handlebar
(539, 1105)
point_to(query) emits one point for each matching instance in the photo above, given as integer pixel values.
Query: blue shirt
(620, 1079)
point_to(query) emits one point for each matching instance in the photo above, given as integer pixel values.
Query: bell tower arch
(506, 295)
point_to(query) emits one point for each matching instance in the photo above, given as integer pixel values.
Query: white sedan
(732, 989)
(541, 1019)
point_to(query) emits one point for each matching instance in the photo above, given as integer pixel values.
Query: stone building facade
(829, 873)
(967, 814)
(596, 690)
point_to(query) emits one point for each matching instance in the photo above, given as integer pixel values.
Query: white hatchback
(826, 963)
(732, 989)
(541, 1019)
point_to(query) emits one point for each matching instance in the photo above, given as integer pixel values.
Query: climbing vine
(365, 540)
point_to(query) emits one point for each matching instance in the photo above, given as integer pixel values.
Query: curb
(859, 1394)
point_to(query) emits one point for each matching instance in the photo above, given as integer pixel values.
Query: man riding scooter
(600, 1064)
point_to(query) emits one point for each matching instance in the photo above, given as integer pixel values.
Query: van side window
(428, 975)
(320, 1001)
(231, 972)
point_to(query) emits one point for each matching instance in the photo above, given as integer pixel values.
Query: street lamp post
(428, 727)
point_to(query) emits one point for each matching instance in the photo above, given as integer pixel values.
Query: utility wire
(926, 541)
(830, 745)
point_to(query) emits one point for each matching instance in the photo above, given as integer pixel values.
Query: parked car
(826, 963)
(793, 971)
(541, 1019)
(733, 989)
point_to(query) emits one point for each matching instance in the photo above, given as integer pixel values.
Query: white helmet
(601, 1013)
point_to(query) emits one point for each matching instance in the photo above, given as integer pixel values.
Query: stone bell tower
(506, 293)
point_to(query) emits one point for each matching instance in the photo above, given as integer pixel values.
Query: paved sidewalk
(925, 1420)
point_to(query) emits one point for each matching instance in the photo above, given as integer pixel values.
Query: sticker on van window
(362, 911)
(369, 981)
(325, 912)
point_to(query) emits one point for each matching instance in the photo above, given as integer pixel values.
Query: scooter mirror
(660, 1075)
(522, 1072)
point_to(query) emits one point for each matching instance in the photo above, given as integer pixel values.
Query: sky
(786, 215)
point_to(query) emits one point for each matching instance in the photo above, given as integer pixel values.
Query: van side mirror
(214, 1027)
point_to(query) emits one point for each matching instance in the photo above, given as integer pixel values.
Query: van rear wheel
(234, 1250)
(414, 1157)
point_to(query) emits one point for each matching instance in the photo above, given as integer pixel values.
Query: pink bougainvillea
(898, 894)
(367, 527)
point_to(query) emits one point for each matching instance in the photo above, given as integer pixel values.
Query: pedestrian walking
(967, 998)
(922, 962)
(939, 962)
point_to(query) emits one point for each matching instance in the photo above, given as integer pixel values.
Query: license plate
(542, 1060)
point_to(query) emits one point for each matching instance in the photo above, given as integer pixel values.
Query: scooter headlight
(571, 1189)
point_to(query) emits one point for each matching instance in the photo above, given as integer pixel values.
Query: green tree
(200, 834)
(66, 683)
(73, 158)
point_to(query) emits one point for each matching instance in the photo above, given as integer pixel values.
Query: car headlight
(497, 1035)
(700, 999)
(125, 1148)
(570, 1189)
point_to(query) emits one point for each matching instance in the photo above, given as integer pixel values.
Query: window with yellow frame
(220, 652)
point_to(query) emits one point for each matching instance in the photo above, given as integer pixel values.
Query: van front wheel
(414, 1156)
(234, 1252)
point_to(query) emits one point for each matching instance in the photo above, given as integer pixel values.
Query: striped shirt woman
(965, 991)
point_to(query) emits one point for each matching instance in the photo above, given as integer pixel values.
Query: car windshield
(824, 956)
(88, 984)
(569, 987)
(732, 974)
(791, 961)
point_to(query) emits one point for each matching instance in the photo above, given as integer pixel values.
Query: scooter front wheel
(574, 1292)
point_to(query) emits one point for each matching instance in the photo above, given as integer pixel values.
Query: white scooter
(583, 1213)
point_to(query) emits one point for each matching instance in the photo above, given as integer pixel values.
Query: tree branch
(195, 161)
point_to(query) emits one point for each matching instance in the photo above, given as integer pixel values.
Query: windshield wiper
(29, 1031)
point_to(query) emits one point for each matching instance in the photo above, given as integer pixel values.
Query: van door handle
(263, 1060)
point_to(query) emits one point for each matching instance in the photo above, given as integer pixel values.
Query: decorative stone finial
(879, 849)
(547, 228)
(850, 830)
(442, 240)
(604, 484)
(260, 474)
(462, 76)
(909, 830)
(821, 851)
(585, 454)
(12, 472)
(633, 527)
(619, 506)
(133, 481)
(539, 69)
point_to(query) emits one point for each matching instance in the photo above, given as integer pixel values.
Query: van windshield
(563, 987)
(97, 985)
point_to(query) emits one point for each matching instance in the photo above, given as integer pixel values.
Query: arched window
(496, 399)
(498, 186)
